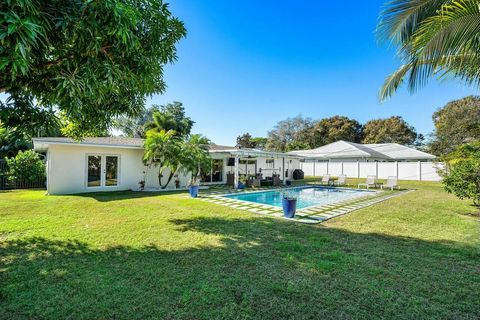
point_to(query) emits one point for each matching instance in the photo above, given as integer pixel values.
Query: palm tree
(162, 149)
(195, 156)
(434, 38)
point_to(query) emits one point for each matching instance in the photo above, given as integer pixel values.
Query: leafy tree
(171, 117)
(245, 141)
(11, 143)
(434, 38)
(26, 166)
(134, 127)
(336, 128)
(390, 130)
(93, 60)
(21, 120)
(21, 115)
(165, 117)
(456, 123)
(286, 134)
(462, 176)
(259, 142)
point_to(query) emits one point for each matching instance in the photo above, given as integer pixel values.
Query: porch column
(283, 170)
(211, 170)
(235, 173)
(419, 169)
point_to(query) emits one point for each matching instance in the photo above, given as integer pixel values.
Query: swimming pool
(306, 196)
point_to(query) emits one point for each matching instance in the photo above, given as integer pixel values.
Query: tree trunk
(169, 179)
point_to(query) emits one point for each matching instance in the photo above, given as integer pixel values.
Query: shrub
(462, 176)
(26, 166)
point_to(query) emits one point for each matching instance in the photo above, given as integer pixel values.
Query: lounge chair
(342, 180)
(392, 183)
(325, 179)
(370, 182)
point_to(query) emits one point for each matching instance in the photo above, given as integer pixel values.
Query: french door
(102, 170)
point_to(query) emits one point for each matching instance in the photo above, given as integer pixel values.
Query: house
(115, 163)
(361, 160)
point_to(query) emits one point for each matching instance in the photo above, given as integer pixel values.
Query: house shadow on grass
(125, 195)
(260, 269)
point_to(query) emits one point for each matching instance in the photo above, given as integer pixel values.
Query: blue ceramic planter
(289, 207)
(193, 190)
(240, 186)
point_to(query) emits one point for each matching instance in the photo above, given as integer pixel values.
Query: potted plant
(289, 204)
(241, 182)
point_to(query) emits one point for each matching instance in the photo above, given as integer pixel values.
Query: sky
(245, 65)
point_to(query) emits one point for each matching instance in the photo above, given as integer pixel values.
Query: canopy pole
(236, 177)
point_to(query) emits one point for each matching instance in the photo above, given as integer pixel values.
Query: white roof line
(126, 146)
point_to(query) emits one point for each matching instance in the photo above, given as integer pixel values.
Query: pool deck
(313, 214)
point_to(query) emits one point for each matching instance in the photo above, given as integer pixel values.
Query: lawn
(141, 255)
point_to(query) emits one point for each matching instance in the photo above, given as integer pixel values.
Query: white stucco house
(115, 163)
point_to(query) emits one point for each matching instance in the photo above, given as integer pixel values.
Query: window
(270, 163)
(216, 173)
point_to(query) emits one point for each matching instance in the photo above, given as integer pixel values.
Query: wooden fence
(6, 183)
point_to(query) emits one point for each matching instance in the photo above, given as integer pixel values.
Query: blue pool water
(306, 196)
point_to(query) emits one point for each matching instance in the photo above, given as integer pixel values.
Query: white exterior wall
(67, 169)
(415, 170)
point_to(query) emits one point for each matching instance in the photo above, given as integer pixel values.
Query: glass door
(102, 171)
(94, 171)
(111, 172)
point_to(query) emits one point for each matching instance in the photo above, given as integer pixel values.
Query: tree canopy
(289, 134)
(171, 116)
(247, 141)
(458, 122)
(389, 130)
(434, 38)
(336, 128)
(93, 60)
(462, 176)
(166, 117)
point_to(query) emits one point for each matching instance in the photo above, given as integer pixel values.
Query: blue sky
(245, 65)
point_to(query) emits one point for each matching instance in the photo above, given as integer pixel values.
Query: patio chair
(325, 179)
(392, 183)
(342, 180)
(370, 182)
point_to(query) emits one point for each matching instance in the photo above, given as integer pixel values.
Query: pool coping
(309, 215)
(297, 187)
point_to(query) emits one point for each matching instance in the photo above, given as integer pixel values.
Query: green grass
(139, 255)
